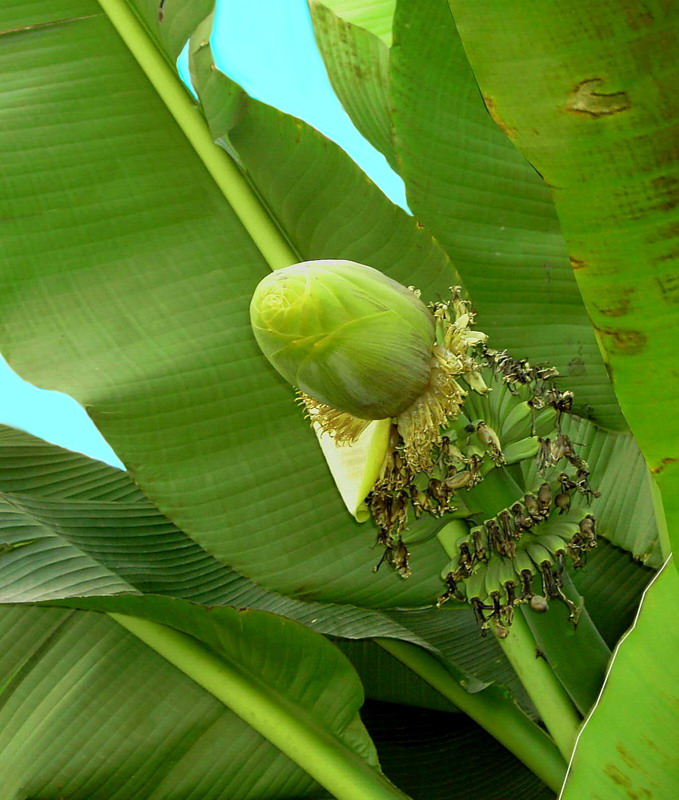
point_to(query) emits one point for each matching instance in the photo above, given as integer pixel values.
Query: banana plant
(210, 622)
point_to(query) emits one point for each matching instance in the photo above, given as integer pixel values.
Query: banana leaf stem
(578, 655)
(491, 708)
(343, 772)
(180, 104)
(543, 687)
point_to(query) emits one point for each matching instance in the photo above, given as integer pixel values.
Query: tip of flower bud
(346, 335)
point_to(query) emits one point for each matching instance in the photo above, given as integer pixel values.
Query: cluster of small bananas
(468, 448)
(497, 562)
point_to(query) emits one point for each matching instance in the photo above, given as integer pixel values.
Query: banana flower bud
(346, 335)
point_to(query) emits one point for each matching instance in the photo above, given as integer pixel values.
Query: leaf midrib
(235, 188)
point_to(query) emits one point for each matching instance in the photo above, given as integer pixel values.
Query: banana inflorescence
(518, 552)
(476, 435)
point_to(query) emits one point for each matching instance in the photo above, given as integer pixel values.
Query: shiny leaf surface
(627, 747)
(116, 719)
(599, 121)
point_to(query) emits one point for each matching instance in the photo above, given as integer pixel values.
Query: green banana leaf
(627, 747)
(71, 526)
(375, 16)
(165, 736)
(598, 120)
(387, 680)
(116, 719)
(357, 63)
(106, 730)
(611, 584)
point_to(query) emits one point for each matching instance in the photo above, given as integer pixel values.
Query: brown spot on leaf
(670, 256)
(578, 263)
(625, 783)
(615, 311)
(622, 306)
(497, 119)
(661, 466)
(576, 366)
(624, 341)
(666, 236)
(663, 233)
(666, 189)
(585, 99)
(638, 15)
(651, 743)
(669, 288)
(628, 758)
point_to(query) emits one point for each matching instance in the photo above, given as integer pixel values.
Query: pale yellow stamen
(344, 428)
